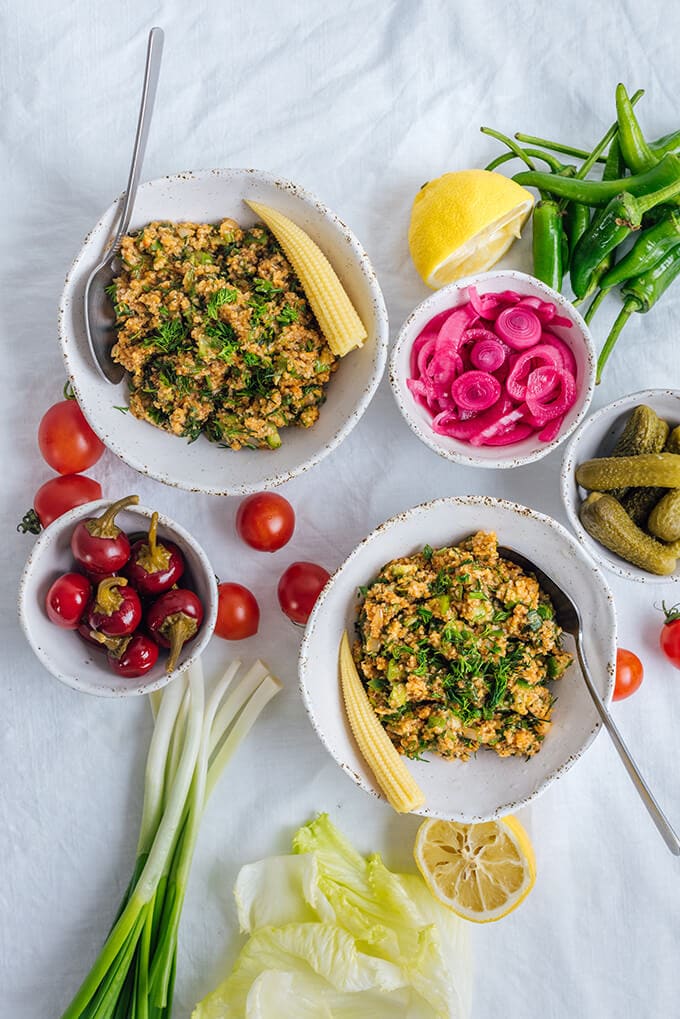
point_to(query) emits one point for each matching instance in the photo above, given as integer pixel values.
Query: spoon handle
(656, 813)
(154, 52)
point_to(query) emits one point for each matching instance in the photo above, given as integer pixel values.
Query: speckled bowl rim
(597, 552)
(405, 335)
(50, 534)
(317, 613)
(381, 339)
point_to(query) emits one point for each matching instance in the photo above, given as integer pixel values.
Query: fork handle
(154, 52)
(656, 813)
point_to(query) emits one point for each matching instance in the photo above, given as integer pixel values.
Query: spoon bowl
(568, 617)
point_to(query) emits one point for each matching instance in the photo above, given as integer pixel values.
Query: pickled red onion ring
(519, 327)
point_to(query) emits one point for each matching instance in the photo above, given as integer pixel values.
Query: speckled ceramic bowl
(63, 652)
(597, 437)
(487, 786)
(577, 337)
(209, 196)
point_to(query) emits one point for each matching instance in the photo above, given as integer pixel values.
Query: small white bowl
(597, 437)
(207, 196)
(63, 652)
(578, 338)
(487, 786)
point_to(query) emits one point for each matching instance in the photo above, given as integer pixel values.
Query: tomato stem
(29, 523)
(671, 613)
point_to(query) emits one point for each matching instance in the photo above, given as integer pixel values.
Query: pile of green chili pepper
(584, 226)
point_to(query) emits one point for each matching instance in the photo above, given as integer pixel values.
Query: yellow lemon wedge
(462, 223)
(480, 871)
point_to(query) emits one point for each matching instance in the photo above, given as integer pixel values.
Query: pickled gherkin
(644, 432)
(610, 472)
(606, 520)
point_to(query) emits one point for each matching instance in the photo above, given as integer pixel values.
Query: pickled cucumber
(664, 519)
(644, 432)
(639, 503)
(673, 441)
(609, 472)
(605, 519)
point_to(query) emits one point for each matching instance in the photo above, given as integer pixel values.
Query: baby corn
(334, 311)
(400, 788)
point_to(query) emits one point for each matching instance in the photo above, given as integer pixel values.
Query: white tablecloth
(361, 103)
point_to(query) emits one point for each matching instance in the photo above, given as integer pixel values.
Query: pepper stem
(629, 307)
(511, 144)
(108, 599)
(181, 628)
(153, 557)
(105, 526)
(116, 645)
(647, 202)
(595, 304)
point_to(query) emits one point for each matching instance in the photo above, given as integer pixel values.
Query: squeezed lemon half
(462, 223)
(480, 871)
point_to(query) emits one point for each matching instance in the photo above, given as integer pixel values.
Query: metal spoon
(568, 617)
(100, 320)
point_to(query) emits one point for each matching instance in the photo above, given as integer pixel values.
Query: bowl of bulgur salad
(230, 383)
(460, 654)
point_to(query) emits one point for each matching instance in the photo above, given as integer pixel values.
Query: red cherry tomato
(238, 614)
(67, 600)
(98, 544)
(56, 497)
(66, 441)
(116, 610)
(265, 521)
(140, 655)
(629, 674)
(299, 587)
(670, 635)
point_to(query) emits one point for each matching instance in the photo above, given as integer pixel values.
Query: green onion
(192, 742)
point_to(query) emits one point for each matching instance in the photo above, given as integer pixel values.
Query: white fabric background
(361, 102)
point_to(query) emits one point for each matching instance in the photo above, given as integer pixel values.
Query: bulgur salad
(217, 335)
(455, 647)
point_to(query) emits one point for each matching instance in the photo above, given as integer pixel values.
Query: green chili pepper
(576, 224)
(649, 248)
(613, 170)
(667, 143)
(637, 154)
(548, 240)
(623, 215)
(640, 295)
(600, 192)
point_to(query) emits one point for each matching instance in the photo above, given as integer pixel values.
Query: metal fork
(568, 617)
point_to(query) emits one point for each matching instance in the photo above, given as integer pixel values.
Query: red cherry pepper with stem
(117, 610)
(91, 637)
(154, 566)
(98, 544)
(174, 619)
(136, 658)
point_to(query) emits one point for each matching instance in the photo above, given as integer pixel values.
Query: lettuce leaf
(334, 935)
